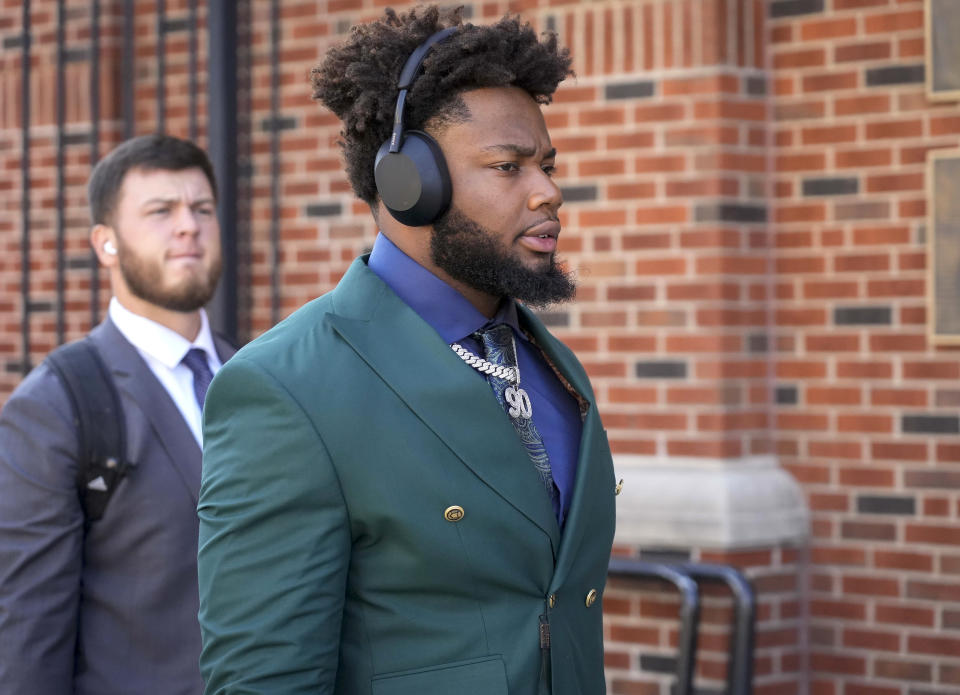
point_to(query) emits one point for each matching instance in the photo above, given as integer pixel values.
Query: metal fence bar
(25, 192)
(60, 226)
(274, 161)
(222, 110)
(740, 665)
(127, 69)
(94, 145)
(192, 67)
(689, 611)
(161, 66)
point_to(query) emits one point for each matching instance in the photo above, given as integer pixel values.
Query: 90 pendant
(519, 401)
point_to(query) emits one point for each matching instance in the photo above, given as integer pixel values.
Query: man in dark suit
(109, 606)
(407, 489)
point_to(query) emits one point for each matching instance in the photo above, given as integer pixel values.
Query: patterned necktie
(498, 348)
(196, 361)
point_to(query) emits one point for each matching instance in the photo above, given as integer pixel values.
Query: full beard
(470, 254)
(145, 280)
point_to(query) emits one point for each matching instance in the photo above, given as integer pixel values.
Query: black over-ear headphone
(410, 170)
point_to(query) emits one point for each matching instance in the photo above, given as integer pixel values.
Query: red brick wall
(745, 185)
(863, 392)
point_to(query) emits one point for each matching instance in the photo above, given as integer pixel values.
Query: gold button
(591, 597)
(619, 487)
(454, 513)
(552, 600)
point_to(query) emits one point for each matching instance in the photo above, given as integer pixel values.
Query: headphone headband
(416, 58)
(407, 76)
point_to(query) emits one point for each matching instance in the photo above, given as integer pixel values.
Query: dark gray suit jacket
(115, 612)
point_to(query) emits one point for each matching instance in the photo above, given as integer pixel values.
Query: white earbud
(109, 248)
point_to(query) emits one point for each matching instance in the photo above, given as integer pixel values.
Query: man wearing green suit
(407, 489)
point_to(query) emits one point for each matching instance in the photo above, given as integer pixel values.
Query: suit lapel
(135, 381)
(593, 451)
(225, 349)
(451, 399)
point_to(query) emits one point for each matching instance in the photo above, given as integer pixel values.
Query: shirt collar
(163, 344)
(447, 311)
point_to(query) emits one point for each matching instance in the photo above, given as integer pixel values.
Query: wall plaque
(943, 245)
(943, 49)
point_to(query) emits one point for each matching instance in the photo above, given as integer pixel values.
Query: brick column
(666, 139)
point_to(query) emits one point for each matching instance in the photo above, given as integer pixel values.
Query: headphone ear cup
(414, 183)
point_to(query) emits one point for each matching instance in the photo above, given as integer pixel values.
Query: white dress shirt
(163, 349)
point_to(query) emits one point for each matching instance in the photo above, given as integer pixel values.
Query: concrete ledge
(672, 502)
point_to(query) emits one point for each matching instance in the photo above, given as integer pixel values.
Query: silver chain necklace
(511, 374)
(519, 400)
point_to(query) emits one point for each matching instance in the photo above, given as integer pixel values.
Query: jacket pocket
(485, 676)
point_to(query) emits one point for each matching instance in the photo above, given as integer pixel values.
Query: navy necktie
(196, 362)
(498, 348)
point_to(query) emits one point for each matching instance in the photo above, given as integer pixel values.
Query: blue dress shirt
(556, 412)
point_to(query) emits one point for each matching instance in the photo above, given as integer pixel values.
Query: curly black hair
(357, 79)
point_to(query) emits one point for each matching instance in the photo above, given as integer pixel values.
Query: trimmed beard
(145, 280)
(471, 254)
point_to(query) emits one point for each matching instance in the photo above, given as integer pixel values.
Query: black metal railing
(686, 578)
(25, 46)
(222, 147)
(227, 33)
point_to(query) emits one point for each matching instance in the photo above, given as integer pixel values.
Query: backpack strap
(98, 417)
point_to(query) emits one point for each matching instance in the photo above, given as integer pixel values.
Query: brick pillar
(665, 137)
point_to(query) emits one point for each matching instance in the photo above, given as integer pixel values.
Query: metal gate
(108, 40)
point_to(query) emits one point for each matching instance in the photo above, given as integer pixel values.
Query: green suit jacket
(334, 445)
